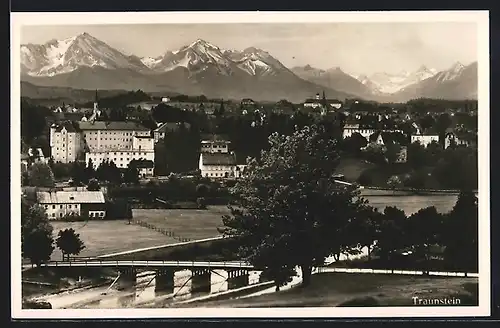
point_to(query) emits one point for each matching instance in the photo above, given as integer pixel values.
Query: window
(69, 206)
(53, 207)
(101, 214)
(61, 207)
(60, 215)
(53, 214)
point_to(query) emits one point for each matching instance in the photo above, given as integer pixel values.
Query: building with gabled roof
(66, 142)
(59, 204)
(219, 165)
(164, 128)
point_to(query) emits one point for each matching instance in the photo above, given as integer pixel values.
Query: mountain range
(86, 62)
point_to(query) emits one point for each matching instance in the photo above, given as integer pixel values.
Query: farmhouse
(219, 165)
(58, 204)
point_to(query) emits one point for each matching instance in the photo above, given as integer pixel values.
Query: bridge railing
(94, 262)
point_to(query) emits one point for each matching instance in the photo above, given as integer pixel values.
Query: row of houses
(425, 138)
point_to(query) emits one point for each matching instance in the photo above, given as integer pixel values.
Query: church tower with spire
(96, 102)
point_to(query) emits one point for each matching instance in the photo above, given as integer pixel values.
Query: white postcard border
(106, 18)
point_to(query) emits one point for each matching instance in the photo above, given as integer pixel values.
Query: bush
(202, 204)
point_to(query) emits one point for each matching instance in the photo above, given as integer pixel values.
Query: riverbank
(344, 289)
(381, 191)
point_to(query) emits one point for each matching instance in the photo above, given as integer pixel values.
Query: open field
(191, 224)
(341, 289)
(105, 237)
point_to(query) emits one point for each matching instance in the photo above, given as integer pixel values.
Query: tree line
(289, 212)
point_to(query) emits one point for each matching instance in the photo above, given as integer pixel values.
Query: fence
(401, 272)
(166, 232)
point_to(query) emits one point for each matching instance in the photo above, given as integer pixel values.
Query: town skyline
(367, 48)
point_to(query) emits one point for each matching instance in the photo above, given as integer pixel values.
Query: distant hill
(56, 95)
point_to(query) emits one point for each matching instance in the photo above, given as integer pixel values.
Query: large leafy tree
(368, 222)
(290, 212)
(40, 175)
(392, 234)
(461, 233)
(424, 230)
(36, 234)
(69, 242)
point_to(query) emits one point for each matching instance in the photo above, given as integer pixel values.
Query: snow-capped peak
(452, 73)
(64, 56)
(457, 67)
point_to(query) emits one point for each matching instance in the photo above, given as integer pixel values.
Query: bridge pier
(200, 281)
(128, 278)
(164, 281)
(237, 278)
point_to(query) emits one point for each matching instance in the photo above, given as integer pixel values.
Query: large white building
(104, 136)
(121, 158)
(120, 142)
(66, 142)
(350, 129)
(215, 159)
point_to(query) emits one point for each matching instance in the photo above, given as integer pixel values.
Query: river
(145, 294)
(409, 202)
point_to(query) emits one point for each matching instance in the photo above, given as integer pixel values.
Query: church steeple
(96, 101)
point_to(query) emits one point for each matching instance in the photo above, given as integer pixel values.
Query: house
(457, 138)
(144, 167)
(36, 156)
(318, 102)
(425, 138)
(385, 138)
(66, 142)
(352, 128)
(164, 128)
(219, 165)
(247, 102)
(24, 162)
(59, 204)
(214, 144)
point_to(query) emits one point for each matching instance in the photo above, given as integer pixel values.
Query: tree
(443, 122)
(131, 174)
(391, 238)
(461, 233)
(40, 175)
(394, 182)
(392, 152)
(93, 185)
(78, 173)
(289, 210)
(368, 223)
(355, 142)
(36, 234)
(69, 242)
(89, 171)
(424, 230)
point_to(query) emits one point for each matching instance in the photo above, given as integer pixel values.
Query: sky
(357, 48)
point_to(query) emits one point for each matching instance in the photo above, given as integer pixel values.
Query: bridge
(151, 264)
